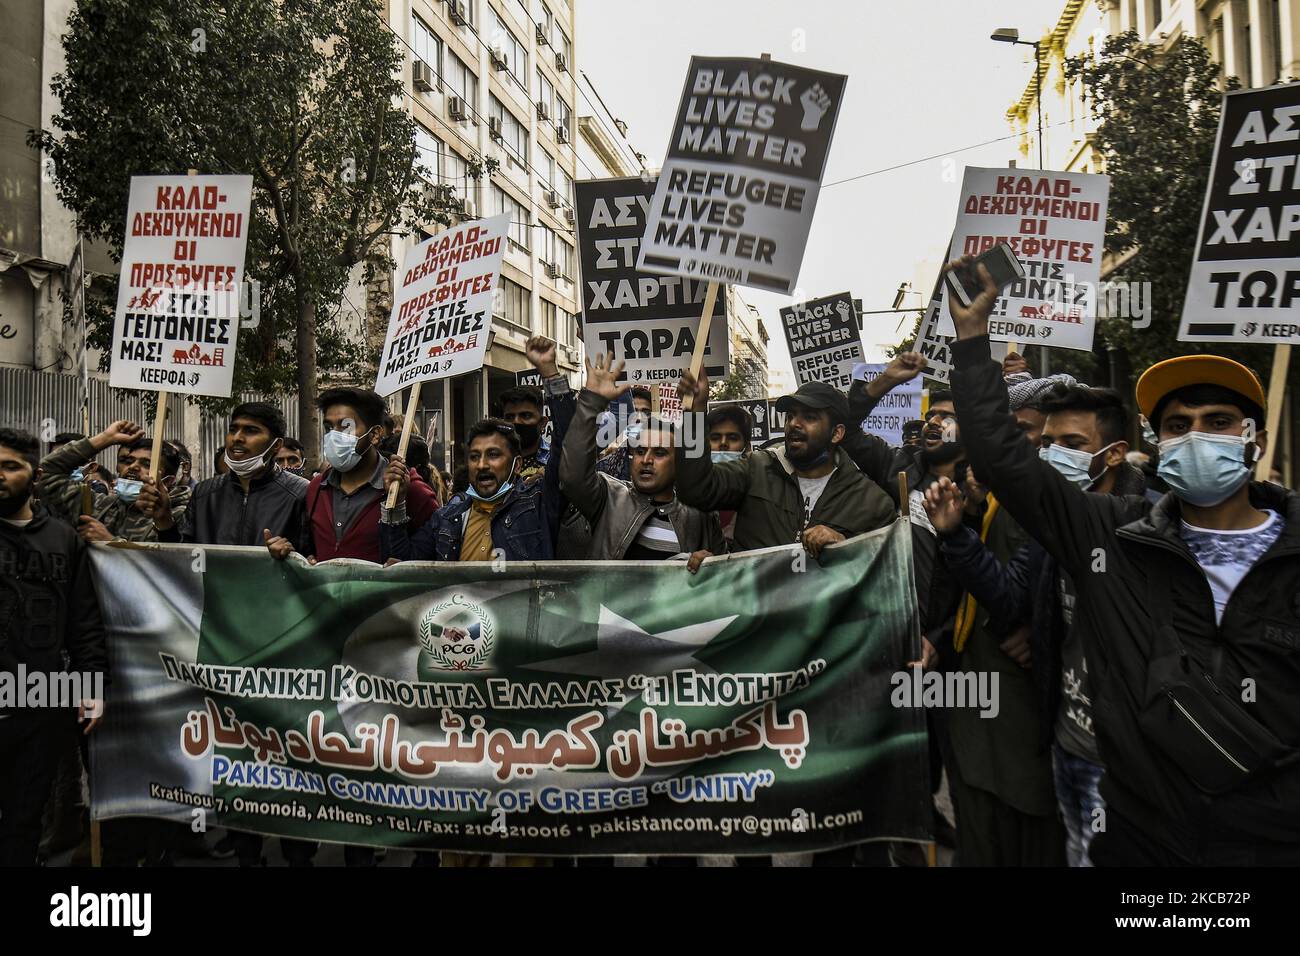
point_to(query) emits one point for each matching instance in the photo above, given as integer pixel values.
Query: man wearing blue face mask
(120, 515)
(1186, 609)
(500, 516)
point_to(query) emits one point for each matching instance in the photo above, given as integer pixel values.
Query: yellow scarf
(967, 611)
(476, 543)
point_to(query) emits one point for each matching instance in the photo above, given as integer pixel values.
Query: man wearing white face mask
(120, 515)
(1186, 609)
(253, 498)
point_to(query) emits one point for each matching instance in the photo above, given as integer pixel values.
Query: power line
(926, 159)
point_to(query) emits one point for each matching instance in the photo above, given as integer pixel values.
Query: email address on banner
(748, 825)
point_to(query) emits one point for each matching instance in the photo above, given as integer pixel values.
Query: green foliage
(305, 96)
(1158, 114)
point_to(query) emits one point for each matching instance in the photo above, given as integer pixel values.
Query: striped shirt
(655, 541)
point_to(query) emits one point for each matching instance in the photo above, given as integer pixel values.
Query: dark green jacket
(764, 492)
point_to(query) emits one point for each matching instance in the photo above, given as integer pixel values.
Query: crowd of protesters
(1139, 605)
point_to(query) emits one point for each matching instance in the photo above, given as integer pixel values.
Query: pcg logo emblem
(458, 635)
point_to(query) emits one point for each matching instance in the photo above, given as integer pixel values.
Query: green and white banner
(562, 708)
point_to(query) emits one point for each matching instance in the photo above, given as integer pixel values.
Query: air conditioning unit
(467, 209)
(457, 108)
(542, 39)
(561, 133)
(497, 55)
(569, 216)
(422, 77)
(553, 198)
(494, 128)
(573, 355)
(560, 63)
(543, 111)
(456, 10)
(553, 270)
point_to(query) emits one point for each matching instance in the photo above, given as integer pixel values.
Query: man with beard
(641, 519)
(804, 490)
(121, 515)
(48, 613)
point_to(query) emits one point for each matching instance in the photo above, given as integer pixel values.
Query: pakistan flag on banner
(559, 708)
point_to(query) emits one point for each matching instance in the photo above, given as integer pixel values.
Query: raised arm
(578, 478)
(701, 483)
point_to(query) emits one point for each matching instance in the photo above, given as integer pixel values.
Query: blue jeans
(1079, 801)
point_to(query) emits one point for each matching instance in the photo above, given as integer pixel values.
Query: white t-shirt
(1226, 556)
(811, 489)
(17, 522)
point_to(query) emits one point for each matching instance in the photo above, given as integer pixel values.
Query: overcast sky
(924, 79)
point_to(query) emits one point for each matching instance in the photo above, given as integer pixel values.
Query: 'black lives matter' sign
(823, 340)
(1245, 280)
(648, 321)
(760, 429)
(736, 195)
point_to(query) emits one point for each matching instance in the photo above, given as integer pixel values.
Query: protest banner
(823, 339)
(736, 195)
(572, 708)
(896, 407)
(1245, 280)
(442, 313)
(177, 320)
(759, 431)
(648, 321)
(775, 421)
(1055, 223)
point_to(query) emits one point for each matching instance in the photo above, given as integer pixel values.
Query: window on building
(426, 44)
(563, 44)
(546, 169)
(512, 305)
(565, 185)
(547, 23)
(1275, 40)
(564, 116)
(1216, 42)
(430, 151)
(516, 56)
(519, 227)
(556, 251)
(550, 314)
(460, 80)
(546, 93)
(514, 134)
(470, 9)
(455, 171)
(568, 328)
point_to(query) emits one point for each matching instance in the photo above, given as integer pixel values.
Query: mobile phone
(1002, 264)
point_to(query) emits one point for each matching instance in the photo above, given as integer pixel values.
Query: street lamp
(1012, 35)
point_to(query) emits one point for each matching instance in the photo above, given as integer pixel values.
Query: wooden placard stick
(1276, 392)
(702, 338)
(407, 424)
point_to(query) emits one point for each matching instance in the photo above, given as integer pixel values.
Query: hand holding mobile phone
(1003, 266)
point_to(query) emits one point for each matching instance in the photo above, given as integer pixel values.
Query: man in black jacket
(48, 609)
(253, 501)
(1186, 608)
(253, 497)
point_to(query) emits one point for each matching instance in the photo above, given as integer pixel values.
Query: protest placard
(823, 339)
(736, 195)
(1055, 223)
(936, 348)
(759, 431)
(442, 305)
(177, 320)
(670, 403)
(896, 407)
(533, 378)
(1245, 279)
(648, 321)
(775, 421)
